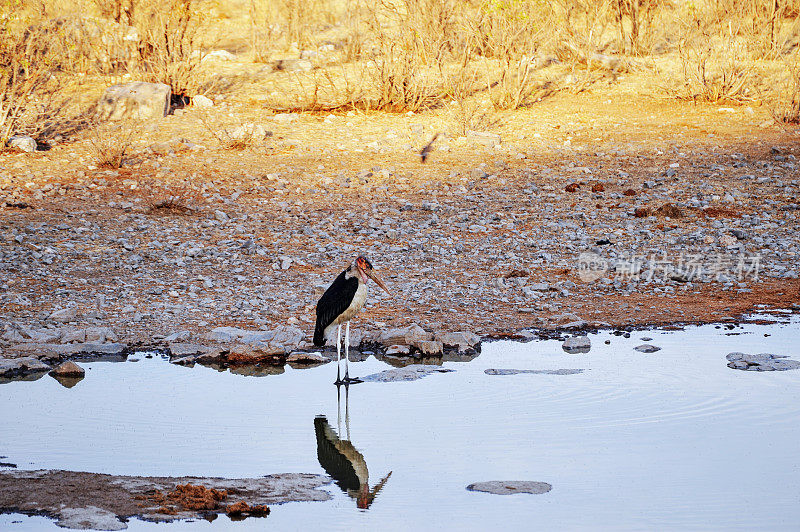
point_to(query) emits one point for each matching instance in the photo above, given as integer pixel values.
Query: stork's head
(365, 271)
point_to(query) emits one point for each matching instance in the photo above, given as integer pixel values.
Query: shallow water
(673, 439)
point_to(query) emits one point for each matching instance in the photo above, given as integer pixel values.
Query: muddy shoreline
(106, 502)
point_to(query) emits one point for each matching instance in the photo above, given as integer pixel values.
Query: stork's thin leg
(346, 411)
(338, 354)
(339, 408)
(347, 352)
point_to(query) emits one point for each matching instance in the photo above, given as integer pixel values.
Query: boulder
(136, 99)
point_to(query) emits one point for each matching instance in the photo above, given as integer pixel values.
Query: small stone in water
(500, 487)
(647, 348)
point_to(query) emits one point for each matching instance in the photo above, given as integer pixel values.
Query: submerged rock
(761, 362)
(89, 518)
(509, 487)
(647, 348)
(577, 344)
(408, 373)
(493, 371)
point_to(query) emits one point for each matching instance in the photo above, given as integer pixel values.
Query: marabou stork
(343, 299)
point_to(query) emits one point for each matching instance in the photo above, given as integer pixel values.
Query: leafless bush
(786, 107)
(30, 99)
(113, 142)
(171, 44)
(717, 71)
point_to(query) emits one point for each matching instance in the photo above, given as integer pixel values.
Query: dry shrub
(717, 71)
(113, 142)
(30, 99)
(178, 199)
(785, 108)
(511, 33)
(171, 43)
(285, 23)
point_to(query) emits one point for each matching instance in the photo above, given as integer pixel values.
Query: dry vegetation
(474, 57)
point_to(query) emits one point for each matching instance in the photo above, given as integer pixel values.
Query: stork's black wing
(333, 302)
(334, 461)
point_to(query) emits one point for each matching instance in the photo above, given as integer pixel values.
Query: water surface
(669, 440)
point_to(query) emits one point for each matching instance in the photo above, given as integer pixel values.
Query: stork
(343, 299)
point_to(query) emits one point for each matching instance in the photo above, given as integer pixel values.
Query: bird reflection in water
(340, 459)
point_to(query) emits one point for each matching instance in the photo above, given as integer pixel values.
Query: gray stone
(647, 348)
(287, 336)
(577, 344)
(408, 373)
(761, 362)
(492, 371)
(405, 335)
(89, 518)
(183, 349)
(178, 336)
(510, 487)
(461, 340)
(14, 367)
(226, 334)
(64, 315)
(136, 99)
(22, 143)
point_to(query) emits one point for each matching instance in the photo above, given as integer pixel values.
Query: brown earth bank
(105, 502)
(591, 210)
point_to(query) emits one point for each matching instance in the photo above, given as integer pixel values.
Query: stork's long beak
(374, 276)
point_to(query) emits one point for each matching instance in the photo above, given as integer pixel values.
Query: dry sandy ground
(482, 238)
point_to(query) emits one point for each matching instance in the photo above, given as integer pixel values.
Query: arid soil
(690, 212)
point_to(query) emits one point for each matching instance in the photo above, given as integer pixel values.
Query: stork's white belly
(356, 305)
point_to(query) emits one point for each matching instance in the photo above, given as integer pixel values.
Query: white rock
(202, 102)
(134, 100)
(26, 144)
